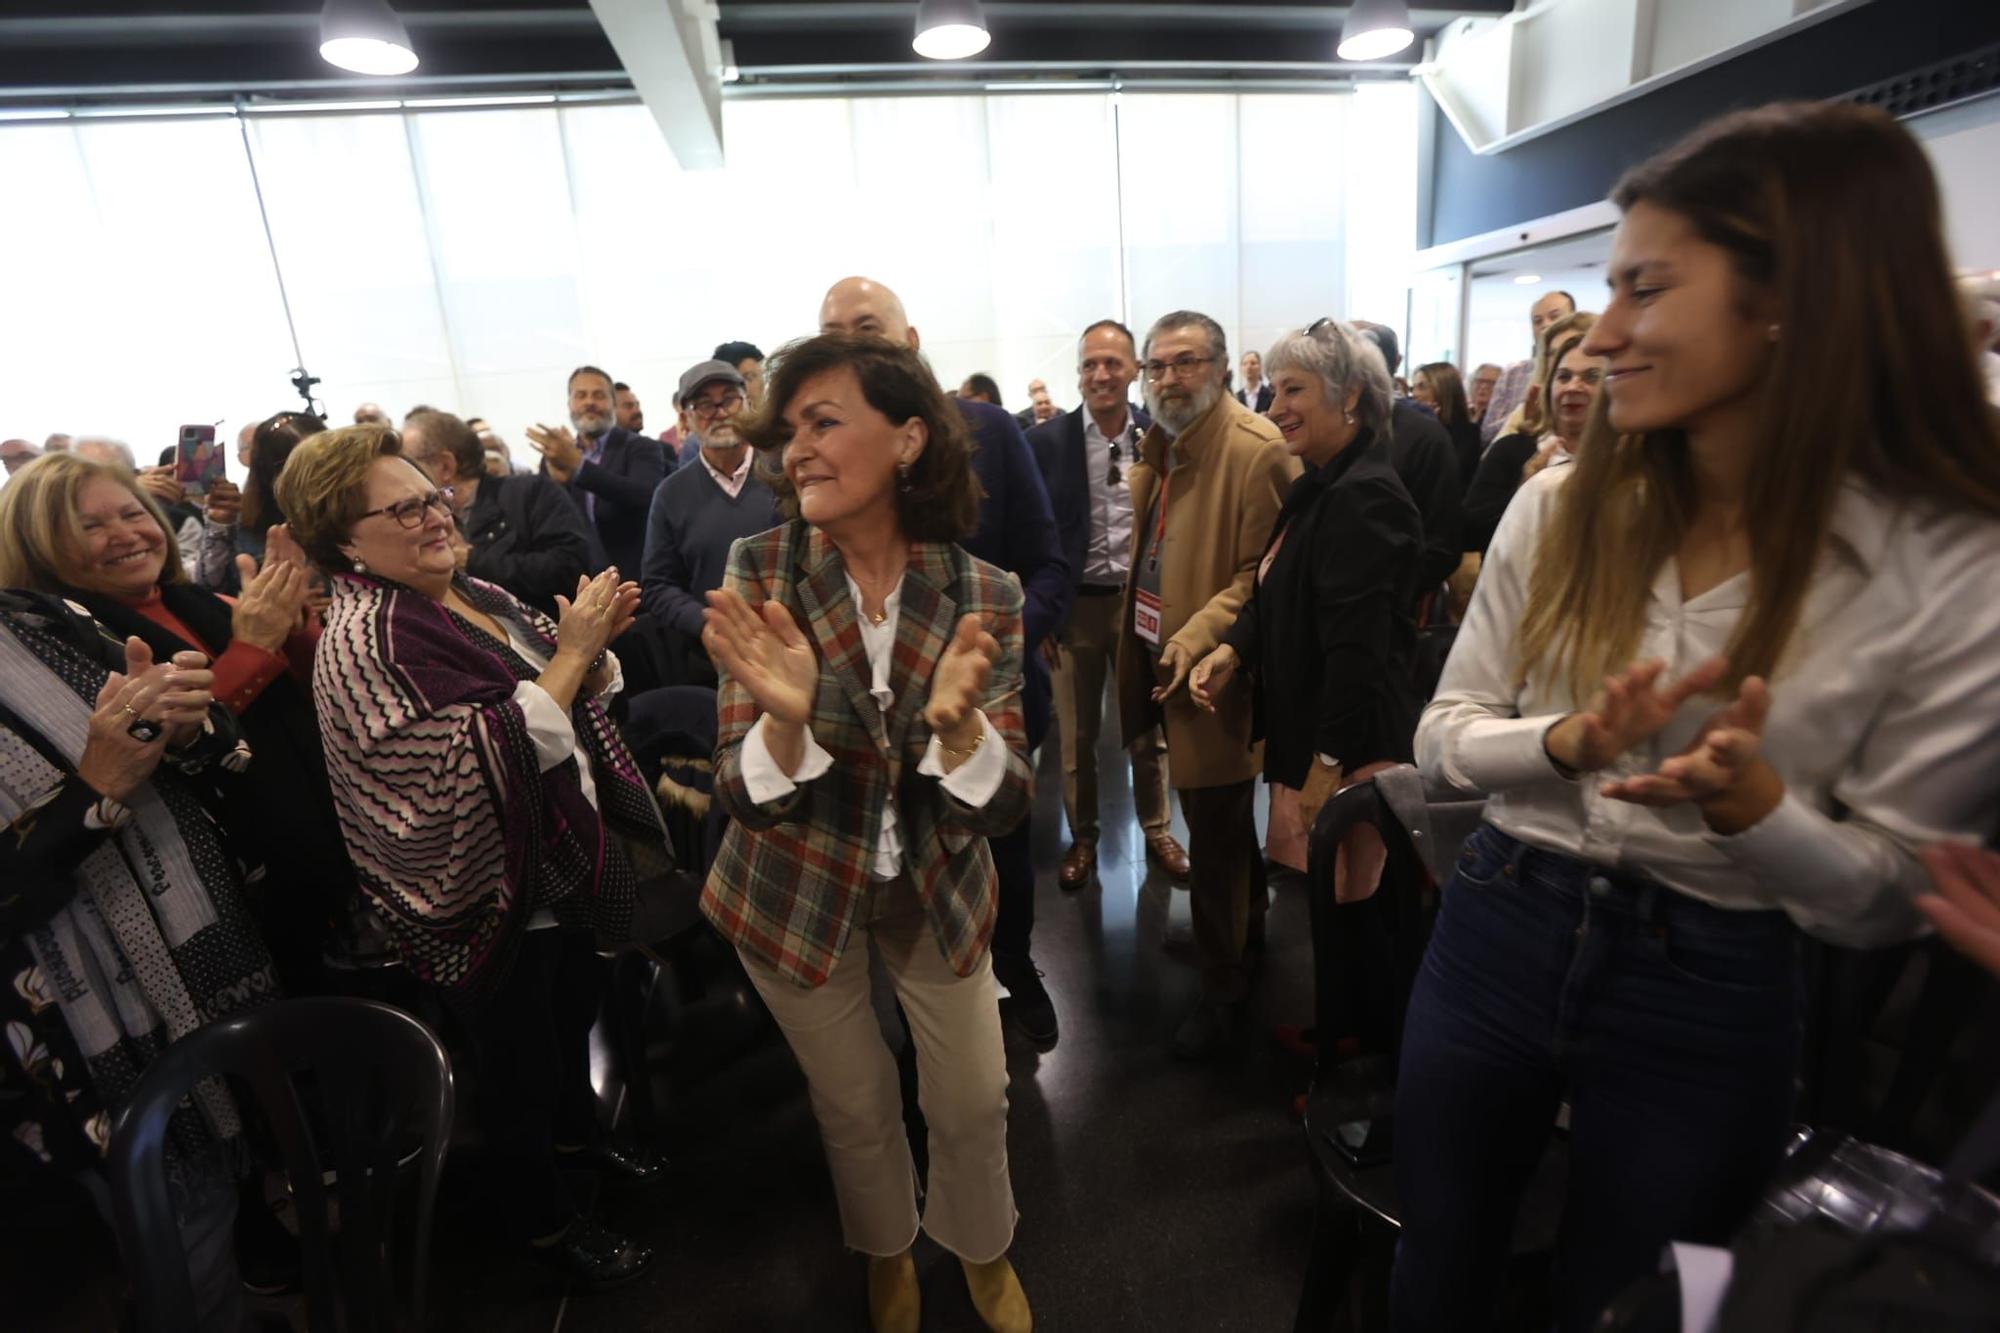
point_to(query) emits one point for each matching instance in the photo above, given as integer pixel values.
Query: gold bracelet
(967, 753)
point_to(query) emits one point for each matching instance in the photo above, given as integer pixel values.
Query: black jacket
(1017, 533)
(1327, 638)
(1058, 446)
(527, 537)
(1264, 396)
(1421, 453)
(623, 481)
(1493, 486)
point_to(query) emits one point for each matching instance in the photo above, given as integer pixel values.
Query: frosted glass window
(469, 258)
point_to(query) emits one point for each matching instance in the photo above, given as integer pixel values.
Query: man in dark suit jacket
(1255, 392)
(1421, 452)
(610, 472)
(1017, 532)
(518, 532)
(1085, 455)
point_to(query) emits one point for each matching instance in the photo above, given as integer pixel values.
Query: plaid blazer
(793, 875)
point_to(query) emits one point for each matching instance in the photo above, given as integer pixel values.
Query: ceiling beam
(671, 50)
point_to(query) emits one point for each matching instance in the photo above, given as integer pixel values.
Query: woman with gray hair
(1328, 634)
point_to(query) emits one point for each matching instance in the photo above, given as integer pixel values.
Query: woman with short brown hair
(871, 742)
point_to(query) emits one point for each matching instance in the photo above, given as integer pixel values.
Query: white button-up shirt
(1107, 554)
(1884, 720)
(974, 782)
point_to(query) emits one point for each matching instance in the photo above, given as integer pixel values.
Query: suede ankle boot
(997, 1295)
(894, 1303)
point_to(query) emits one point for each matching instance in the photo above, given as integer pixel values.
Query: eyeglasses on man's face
(410, 512)
(707, 409)
(1181, 367)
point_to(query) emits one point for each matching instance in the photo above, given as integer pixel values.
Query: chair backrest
(375, 1078)
(1366, 954)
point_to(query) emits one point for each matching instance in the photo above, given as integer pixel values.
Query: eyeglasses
(1111, 476)
(1323, 322)
(410, 512)
(1179, 367)
(706, 410)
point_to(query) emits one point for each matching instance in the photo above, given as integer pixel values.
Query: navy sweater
(689, 531)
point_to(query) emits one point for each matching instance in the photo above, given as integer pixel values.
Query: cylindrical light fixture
(950, 29)
(1375, 30)
(366, 37)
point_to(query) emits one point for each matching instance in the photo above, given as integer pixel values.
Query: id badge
(1146, 616)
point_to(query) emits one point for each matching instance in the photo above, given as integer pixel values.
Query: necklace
(877, 617)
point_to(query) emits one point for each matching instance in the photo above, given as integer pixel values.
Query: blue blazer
(1058, 446)
(623, 481)
(1017, 532)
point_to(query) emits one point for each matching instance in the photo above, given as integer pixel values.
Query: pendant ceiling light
(366, 37)
(1375, 30)
(950, 29)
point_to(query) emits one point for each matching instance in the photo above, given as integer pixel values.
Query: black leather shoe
(624, 1166)
(595, 1259)
(1027, 1006)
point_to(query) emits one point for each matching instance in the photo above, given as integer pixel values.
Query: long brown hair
(271, 444)
(1831, 213)
(1449, 390)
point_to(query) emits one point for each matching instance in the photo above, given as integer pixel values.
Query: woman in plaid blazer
(871, 740)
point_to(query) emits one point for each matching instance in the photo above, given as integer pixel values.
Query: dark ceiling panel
(83, 51)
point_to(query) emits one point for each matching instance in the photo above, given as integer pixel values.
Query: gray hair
(1218, 345)
(102, 449)
(1344, 360)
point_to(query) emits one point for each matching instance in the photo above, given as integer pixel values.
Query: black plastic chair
(377, 1078)
(1365, 960)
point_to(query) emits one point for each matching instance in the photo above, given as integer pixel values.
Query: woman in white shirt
(1796, 481)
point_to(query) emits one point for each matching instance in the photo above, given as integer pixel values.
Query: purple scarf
(456, 833)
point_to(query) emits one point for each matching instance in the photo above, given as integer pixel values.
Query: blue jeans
(1672, 1028)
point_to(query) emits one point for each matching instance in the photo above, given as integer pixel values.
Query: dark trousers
(532, 1044)
(1225, 882)
(1014, 869)
(1672, 1027)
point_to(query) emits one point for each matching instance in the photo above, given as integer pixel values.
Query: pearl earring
(359, 567)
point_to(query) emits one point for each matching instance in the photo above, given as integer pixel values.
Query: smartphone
(198, 464)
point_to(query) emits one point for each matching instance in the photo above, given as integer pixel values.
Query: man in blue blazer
(609, 472)
(1017, 532)
(1086, 454)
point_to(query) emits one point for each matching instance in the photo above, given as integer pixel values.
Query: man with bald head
(371, 414)
(1017, 532)
(1511, 390)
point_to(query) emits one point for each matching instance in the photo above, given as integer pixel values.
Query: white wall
(468, 259)
(1964, 147)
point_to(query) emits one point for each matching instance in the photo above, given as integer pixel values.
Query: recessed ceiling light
(950, 29)
(1526, 279)
(365, 37)
(1375, 30)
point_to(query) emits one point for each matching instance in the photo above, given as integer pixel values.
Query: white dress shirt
(1107, 553)
(731, 482)
(974, 782)
(550, 729)
(1884, 721)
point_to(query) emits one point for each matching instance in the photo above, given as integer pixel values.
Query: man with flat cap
(700, 511)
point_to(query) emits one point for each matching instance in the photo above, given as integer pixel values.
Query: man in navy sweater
(700, 511)
(1017, 532)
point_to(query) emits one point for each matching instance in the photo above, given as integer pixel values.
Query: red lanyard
(1160, 525)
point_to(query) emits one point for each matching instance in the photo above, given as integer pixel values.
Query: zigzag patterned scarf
(457, 836)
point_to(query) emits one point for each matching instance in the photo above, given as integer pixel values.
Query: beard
(1184, 408)
(590, 424)
(721, 435)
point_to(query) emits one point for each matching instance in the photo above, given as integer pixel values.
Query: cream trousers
(857, 1097)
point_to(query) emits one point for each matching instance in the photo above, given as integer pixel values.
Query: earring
(1348, 417)
(1775, 331)
(359, 568)
(903, 478)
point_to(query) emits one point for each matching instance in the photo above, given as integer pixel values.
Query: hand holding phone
(198, 463)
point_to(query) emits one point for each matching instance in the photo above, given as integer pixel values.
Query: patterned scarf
(457, 834)
(156, 941)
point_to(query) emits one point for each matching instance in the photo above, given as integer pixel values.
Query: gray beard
(1174, 418)
(585, 430)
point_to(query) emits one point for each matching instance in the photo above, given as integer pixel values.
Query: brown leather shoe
(1079, 863)
(1170, 855)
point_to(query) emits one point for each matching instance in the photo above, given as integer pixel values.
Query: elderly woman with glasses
(1327, 631)
(488, 804)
